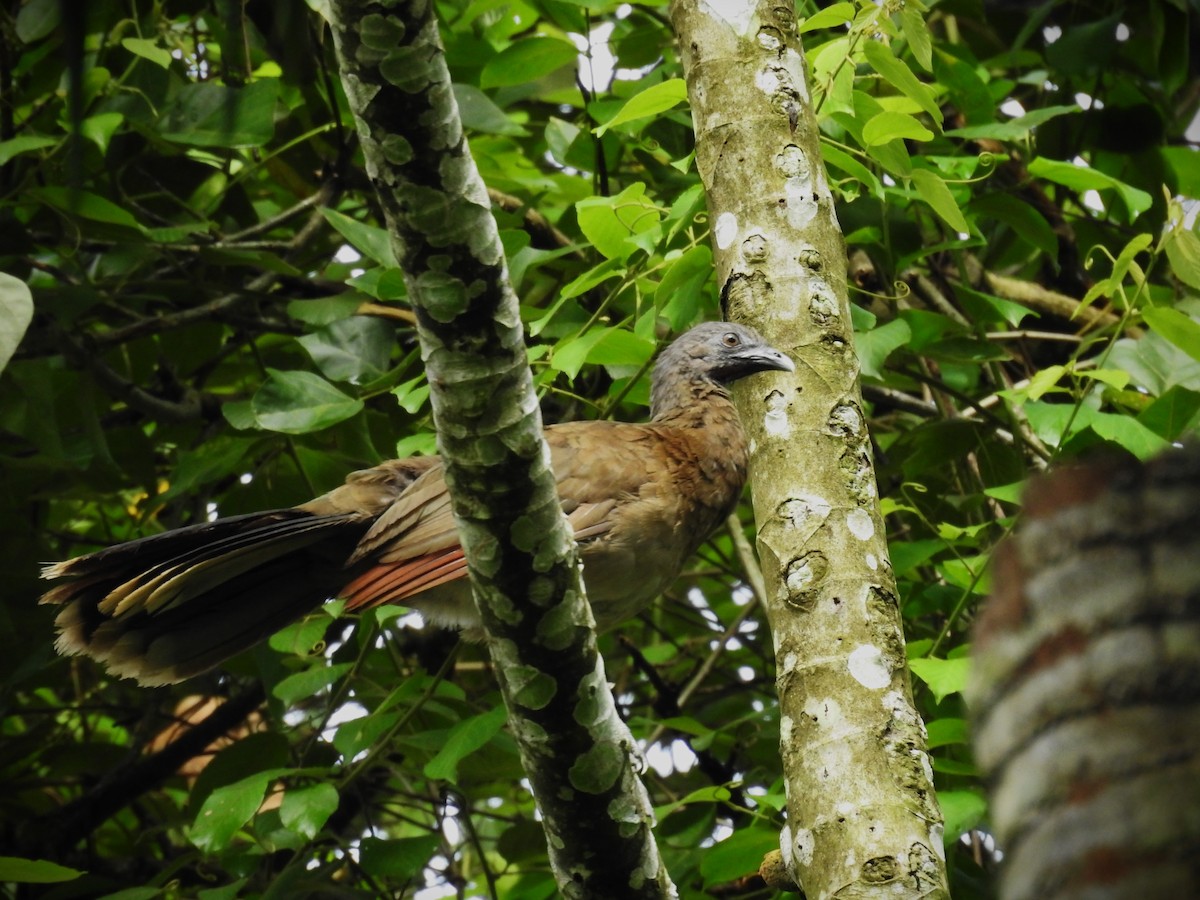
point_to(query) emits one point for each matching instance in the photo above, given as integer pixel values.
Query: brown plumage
(640, 498)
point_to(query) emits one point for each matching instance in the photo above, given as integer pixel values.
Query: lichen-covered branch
(863, 820)
(523, 563)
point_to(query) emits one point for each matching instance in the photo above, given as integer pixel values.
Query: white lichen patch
(726, 229)
(738, 13)
(802, 847)
(786, 726)
(800, 206)
(872, 562)
(790, 662)
(867, 667)
(825, 713)
(800, 576)
(805, 510)
(937, 834)
(775, 420)
(860, 523)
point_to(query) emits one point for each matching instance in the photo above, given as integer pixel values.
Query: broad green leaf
(146, 49)
(1082, 178)
(899, 76)
(34, 871)
(239, 760)
(85, 204)
(480, 113)
(412, 395)
(300, 638)
(464, 739)
(947, 731)
(890, 126)
(16, 312)
(37, 18)
(835, 156)
(228, 808)
(653, 100)
(1183, 253)
(208, 114)
(876, 345)
(1185, 165)
(830, 17)
(357, 735)
(933, 191)
(372, 242)
(526, 60)
(305, 810)
(1015, 129)
(621, 349)
(1025, 221)
(309, 682)
(23, 144)
(916, 32)
(1129, 433)
(609, 223)
(299, 402)
(1174, 414)
(357, 349)
(399, 860)
(962, 811)
(943, 676)
(739, 854)
(1180, 329)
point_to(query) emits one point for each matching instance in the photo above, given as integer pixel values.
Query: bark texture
(863, 819)
(1085, 684)
(523, 563)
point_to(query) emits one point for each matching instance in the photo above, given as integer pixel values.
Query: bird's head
(715, 353)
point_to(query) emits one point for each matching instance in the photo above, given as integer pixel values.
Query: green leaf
(85, 204)
(1081, 178)
(480, 113)
(160, 56)
(37, 18)
(876, 345)
(605, 346)
(916, 32)
(16, 312)
(372, 242)
(739, 854)
(933, 191)
(34, 871)
(947, 731)
(305, 810)
(300, 638)
(357, 349)
(1128, 433)
(358, 734)
(829, 17)
(610, 222)
(1173, 414)
(1025, 221)
(228, 808)
(299, 402)
(962, 811)
(401, 859)
(943, 676)
(890, 126)
(526, 60)
(899, 76)
(1183, 253)
(657, 98)
(464, 739)
(1015, 129)
(23, 144)
(207, 114)
(309, 682)
(1180, 329)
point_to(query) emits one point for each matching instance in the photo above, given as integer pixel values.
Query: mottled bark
(523, 563)
(1085, 684)
(863, 819)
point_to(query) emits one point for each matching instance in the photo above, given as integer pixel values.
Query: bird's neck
(689, 403)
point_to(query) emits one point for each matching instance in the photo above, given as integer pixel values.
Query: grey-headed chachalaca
(640, 498)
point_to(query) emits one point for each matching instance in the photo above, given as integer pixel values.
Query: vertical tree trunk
(863, 819)
(1085, 684)
(523, 563)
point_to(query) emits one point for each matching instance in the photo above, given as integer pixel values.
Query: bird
(640, 498)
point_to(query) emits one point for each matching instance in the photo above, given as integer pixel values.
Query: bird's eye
(730, 339)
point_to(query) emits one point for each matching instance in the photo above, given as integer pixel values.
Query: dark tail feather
(166, 607)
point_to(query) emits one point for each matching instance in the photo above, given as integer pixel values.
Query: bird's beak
(762, 359)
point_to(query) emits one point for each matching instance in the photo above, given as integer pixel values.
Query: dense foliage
(219, 326)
